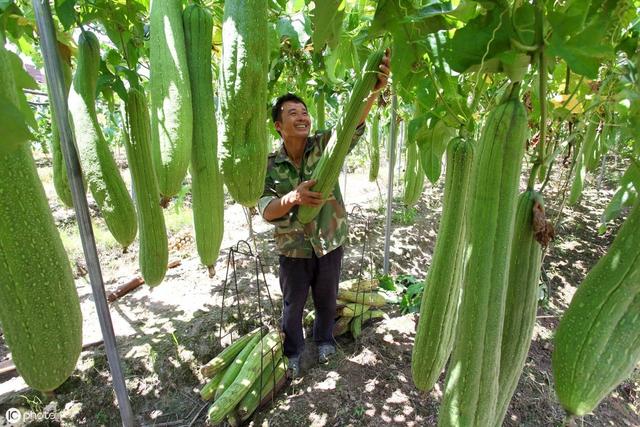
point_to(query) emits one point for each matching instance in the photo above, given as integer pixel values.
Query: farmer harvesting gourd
(302, 199)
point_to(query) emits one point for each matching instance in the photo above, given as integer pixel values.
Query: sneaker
(324, 352)
(293, 367)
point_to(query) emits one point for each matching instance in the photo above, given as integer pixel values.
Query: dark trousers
(297, 275)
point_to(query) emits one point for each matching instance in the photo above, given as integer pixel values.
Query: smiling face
(295, 122)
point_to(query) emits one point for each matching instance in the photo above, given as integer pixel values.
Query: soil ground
(166, 333)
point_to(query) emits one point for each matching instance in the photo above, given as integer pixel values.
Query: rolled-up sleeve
(269, 194)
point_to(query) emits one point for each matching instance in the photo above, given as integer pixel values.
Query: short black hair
(276, 110)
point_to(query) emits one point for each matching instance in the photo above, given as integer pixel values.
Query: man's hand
(302, 195)
(385, 69)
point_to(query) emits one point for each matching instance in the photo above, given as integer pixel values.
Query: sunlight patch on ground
(365, 357)
(329, 383)
(398, 397)
(566, 293)
(436, 391)
(138, 351)
(371, 385)
(540, 333)
(405, 325)
(318, 420)
(569, 245)
(371, 410)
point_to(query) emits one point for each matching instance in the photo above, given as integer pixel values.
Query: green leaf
(327, 20)
(415, 289)
(626, 194)
(4, 4)
(585, 51)
(409, 27)
(432, 148)
(66, 12)
(15, 131)
(482, 39)
(287, 32)
(417, 126)
(112, 59)
(524, 19)
(386, 282)
(23, 80)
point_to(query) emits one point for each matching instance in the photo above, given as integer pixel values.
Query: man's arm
(383, 76)
(301, 195)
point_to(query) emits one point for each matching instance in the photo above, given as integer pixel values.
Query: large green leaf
(626, 194)
(585, 51)
(4, 4)
(327, 20)
(581, 33)
(23, 80)
(481, 40)
(289, 29)
(409, 27)
(66, 12)
(432, 147)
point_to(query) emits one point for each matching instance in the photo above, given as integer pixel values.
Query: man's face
(294, 121)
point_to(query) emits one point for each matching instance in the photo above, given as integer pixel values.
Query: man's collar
(281, 154)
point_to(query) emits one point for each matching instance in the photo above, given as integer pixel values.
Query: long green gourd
(154, 247)
(206, 181)
(250, 372)
(60, 180)
(582, 161)
(320, 110)
(327, 170)
(39, 307)
(227, 355)
(251, 401)
(522, 300)
(472, 377)
(443, 285)
(233, 369)
(242, 126)
(413, 174)
(374, 150)
(597, 343)
(171, 111)
(98, 166)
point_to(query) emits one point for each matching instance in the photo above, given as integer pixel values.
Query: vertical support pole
(392, 158)
(53, 70)
(344, 183)
(399, 147)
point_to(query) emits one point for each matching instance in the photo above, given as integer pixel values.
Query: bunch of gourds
(478, 306)
(358, 302)
(246, 374)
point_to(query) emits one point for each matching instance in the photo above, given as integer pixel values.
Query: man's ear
(277, 125)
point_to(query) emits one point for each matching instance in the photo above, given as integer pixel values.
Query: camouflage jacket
(329, 229)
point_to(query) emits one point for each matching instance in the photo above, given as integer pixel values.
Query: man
(310, 254)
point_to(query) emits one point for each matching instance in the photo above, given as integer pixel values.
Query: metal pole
(344, 183)
(53, 70)
(392, 158)
(400, 147)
